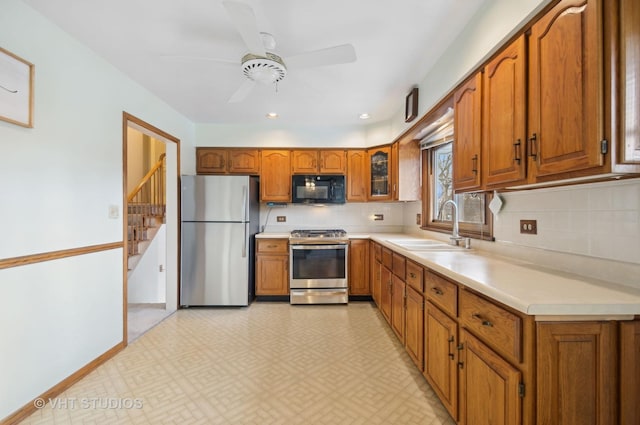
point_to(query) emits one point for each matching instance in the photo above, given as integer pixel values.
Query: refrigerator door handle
(245, 202)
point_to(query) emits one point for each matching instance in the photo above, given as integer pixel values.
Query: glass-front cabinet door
(380, 173)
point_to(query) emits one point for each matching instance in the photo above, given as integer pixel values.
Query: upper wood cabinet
(406, 183)
(227, 161)
(467, 102)
(566, 101)
(324, 161)
(275, 178)
(504, 133)
(629, 106)
(379, 167)
(356, 175)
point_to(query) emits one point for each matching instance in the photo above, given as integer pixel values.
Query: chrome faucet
(455, 238)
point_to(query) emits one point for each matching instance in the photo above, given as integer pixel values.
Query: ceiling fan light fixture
(266, 70)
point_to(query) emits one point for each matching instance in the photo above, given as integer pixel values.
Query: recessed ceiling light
(365, 116)
(272, 115)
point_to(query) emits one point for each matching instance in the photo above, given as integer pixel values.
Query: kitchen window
(474, 217)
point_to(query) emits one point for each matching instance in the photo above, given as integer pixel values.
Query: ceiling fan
(262, 65)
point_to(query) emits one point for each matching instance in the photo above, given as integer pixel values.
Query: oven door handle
(308, 247)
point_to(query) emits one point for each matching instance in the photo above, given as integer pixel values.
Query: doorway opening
(151, 226)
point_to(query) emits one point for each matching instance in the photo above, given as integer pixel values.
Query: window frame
(431, 222)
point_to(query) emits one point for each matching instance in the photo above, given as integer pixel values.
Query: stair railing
(147, 200)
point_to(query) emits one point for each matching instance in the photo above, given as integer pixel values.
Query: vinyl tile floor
(269, 363)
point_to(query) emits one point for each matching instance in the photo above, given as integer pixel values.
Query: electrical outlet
(418, 218)
(281, 218)
(378, 217)
(529, 227)
(114, 211)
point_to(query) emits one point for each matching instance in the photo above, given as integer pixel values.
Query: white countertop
(526, 287)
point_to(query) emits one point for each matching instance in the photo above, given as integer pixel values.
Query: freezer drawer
(215, 264)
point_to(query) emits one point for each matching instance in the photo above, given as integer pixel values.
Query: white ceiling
(396, 42)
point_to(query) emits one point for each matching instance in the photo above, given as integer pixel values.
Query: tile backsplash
(597, 220)
(353, 217)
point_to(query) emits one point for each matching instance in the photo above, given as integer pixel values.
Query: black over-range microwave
(318, 189)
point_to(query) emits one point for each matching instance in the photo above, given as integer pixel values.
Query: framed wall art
(411, 105)
(16, 89)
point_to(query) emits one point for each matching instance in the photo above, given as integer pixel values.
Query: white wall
(57, 182)
(147, 283)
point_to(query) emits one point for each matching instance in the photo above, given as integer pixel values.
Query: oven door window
(311, 263)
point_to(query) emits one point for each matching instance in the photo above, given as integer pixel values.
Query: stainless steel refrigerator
(220, 217)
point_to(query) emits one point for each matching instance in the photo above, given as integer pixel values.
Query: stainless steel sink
(423, 245)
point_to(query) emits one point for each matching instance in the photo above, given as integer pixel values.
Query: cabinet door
(504, 117)
(356, 176)
(359, 267)
(398, 307)
(211, 161)
(566, 89)
(379, 174)
(304, 162)
(272, 275)
(244, 161)
(385, 293)
(630, 69)
(629, 373)
(468, 131)
(414, 332)
(332, 162)
(275, 178)
(576, 373)
(440, 358)
(489, 386)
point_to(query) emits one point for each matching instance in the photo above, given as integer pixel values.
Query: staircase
(146, 211)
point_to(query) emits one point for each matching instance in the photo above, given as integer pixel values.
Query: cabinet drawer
(414, 276)
(387, 258)
(273, 246)
(441, 292)
(496, 326)
(398, 265)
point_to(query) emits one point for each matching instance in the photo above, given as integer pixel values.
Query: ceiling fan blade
(244, 20)
(344, 53)
(242, 92)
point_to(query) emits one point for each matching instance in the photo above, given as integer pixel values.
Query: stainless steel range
(318, 267)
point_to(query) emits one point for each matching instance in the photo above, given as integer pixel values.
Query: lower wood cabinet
(359, 267)
(489, 386)
(272, 267)
(414, 326)
(375, 258)
(629, 373)
(385, 293)
(577, 382)
(441, 356)
(397, 306)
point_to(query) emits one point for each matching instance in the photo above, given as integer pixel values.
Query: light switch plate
(114, 211)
